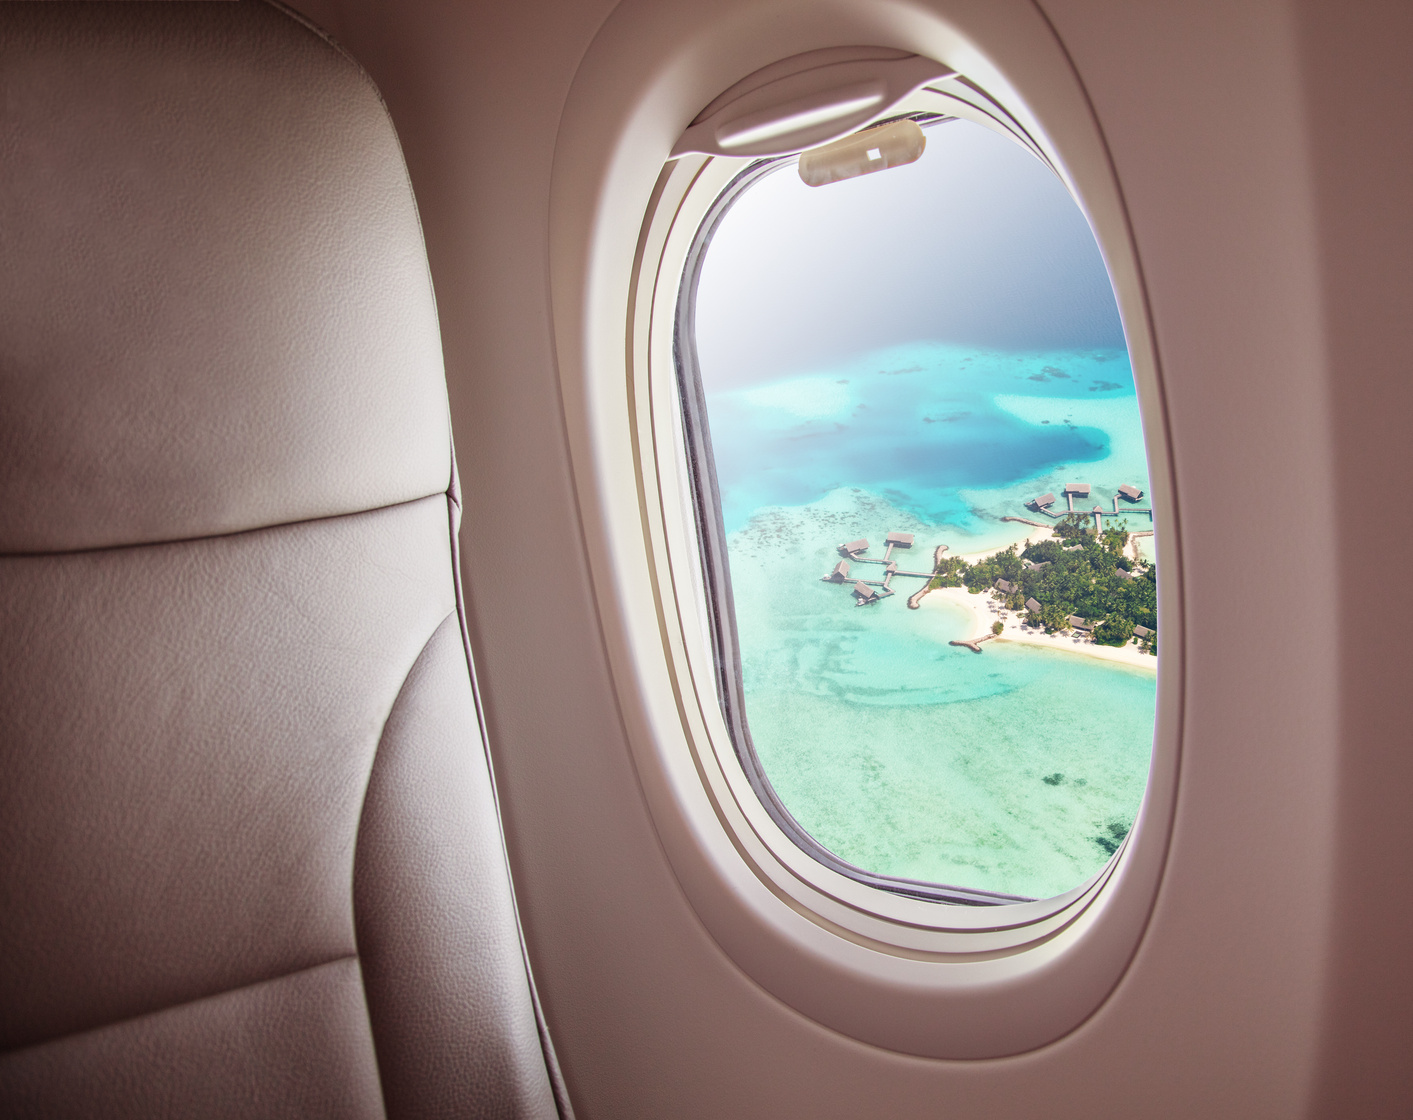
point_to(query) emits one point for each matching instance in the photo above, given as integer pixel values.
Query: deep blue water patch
(916, 423)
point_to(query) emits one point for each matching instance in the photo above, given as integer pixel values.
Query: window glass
(919, 355)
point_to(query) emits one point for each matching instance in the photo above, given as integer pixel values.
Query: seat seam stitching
(67, 1035)
(60, 552)
(358, 832)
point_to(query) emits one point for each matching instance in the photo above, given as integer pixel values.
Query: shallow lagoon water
(1012, 770)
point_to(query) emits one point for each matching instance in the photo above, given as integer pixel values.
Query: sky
(977, 244)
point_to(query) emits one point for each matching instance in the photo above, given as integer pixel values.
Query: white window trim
(910, 975)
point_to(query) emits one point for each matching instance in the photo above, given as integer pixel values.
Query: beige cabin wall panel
(1199, 103)
(1363, 179)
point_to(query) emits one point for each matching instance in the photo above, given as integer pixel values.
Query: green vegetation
(997, 627)
(1073, 526)
(1080, 574)
(1114, 632)
(948, 573)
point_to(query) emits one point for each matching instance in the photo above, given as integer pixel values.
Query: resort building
(1078, 623)
(896, 540)
(1042, 501)
(1004, 586)
(1075, 490)
(1130, 493)
(1032, 606)
(1142, 632)
(840, 574)
(853, 548)
(864, 593)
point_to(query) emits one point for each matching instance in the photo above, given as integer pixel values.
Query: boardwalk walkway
(1027, 521)
(1131, 509)
(973, 644)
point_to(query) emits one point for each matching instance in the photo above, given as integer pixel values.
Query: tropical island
(1076, 580)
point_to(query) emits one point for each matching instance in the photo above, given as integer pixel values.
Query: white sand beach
(1033, 535)
(986, 611)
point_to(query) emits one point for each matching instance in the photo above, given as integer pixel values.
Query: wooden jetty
(861, 587)
(1131, 509)
(1098, 512)
(973, 644)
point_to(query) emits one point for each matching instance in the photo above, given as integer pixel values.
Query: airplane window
(922, 484)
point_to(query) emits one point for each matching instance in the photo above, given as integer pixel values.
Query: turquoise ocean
(1012, 771)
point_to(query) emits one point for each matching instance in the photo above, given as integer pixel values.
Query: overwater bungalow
(1078, 489)
(853, 548)
(1042, 502)
(1130, 493)
(840, 574)
(899, 540)
(864, 593)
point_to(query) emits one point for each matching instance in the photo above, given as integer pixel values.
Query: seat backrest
(250, 857)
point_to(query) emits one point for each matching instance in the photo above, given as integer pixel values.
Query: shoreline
(1034, 535)
(985, 611)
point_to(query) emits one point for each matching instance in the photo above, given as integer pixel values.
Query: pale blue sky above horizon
(977, 243)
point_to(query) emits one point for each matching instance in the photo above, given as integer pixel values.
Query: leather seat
(250, 858)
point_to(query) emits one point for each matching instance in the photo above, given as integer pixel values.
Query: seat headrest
(215, 310)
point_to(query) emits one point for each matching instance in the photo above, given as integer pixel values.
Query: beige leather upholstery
(250, 861)
(216, 313)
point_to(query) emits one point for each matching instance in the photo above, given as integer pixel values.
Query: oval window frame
(888, 969)
(935, 104)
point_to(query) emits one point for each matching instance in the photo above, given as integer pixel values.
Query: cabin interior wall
(1362, 176)
(1256, 148)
